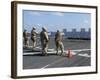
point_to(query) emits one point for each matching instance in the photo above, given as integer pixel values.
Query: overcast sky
(55, 20)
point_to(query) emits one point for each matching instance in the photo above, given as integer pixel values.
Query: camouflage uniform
(33, 37)
(44, 41)
(58, 42)
(26, 39)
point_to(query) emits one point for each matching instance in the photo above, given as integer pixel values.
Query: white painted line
(52, 63)
(32, 53)
(38, 47)
(52, 51)
(84, 55)
(82, 50)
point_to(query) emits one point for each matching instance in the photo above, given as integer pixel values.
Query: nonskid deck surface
(79, 49)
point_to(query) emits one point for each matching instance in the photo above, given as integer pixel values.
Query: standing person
(44, 40)
(33, 37)
(26, 39)
(58, 42)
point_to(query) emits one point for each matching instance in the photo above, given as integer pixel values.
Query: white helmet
(44, 28)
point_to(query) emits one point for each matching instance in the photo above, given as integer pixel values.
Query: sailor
(44, 40)
(58, 42)
(26, 39)
(33, 37)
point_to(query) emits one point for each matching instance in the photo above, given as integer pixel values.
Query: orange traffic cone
(69, 54)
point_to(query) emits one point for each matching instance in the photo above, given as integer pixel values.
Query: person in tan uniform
(58, 42)
(33, 37)
(44, 40)
(26, 39)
